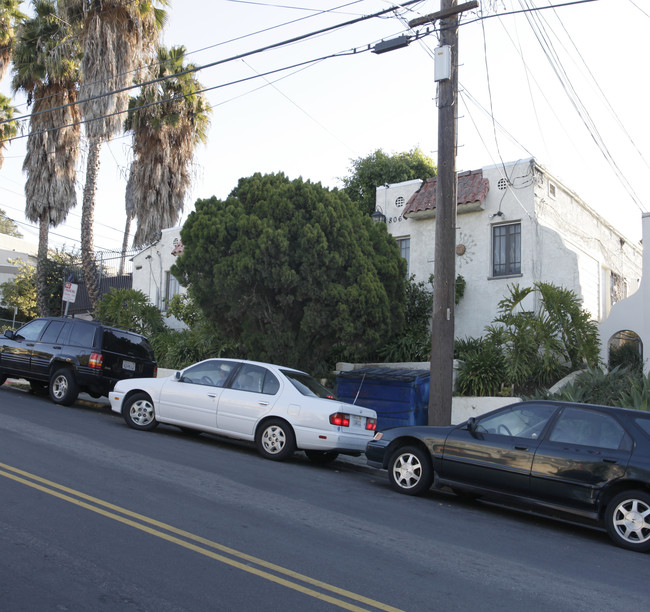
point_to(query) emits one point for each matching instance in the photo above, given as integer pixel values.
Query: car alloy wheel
(139, 413)
(275, 440)
(63, 387)
(628, 520)
(410, 471)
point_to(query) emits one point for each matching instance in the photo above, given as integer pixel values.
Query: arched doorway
(625, 349)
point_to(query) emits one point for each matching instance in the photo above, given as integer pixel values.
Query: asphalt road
(97, 516)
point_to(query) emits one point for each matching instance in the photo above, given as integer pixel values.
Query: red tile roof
(472, 187)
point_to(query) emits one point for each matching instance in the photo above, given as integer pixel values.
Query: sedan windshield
(307, 385)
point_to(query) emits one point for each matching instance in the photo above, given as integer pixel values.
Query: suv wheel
(63, 387)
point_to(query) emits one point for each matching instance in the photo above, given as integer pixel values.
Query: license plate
(356, 420)
(128, 365)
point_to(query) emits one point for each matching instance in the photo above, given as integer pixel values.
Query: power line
(193, 69)
(151, 65)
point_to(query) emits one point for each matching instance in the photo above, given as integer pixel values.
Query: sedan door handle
(605, 460)
(524, 448)
(212, 395)
(263, 403)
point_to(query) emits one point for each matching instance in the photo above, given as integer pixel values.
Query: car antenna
(359, 389)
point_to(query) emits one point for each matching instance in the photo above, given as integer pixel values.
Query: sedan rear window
(644, 424)
(308, 385)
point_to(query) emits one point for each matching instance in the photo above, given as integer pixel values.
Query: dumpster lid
(377, 373)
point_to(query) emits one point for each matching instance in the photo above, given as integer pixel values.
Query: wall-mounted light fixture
(378, 216)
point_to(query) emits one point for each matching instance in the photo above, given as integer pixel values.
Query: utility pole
(444, 282)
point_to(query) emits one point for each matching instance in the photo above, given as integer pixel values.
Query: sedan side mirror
(9, 333)
(471, 424)
(177, 376)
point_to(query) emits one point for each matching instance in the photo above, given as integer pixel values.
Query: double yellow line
(224, 554)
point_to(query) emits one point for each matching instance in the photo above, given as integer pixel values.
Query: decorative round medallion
(465, 249)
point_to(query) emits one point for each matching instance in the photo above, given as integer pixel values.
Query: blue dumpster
(400, 396)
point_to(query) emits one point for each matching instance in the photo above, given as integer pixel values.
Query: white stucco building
(12, 248)
(629, 319)
(516, 223)
(151, 272)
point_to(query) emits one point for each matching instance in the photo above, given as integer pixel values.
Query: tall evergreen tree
(293, 273)
(378, 168)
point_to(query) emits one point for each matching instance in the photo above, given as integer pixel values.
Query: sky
(567, 85)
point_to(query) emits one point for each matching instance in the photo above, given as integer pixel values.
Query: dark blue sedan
(568, 459)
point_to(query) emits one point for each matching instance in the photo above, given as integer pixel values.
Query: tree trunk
(42, 296)
(91, 274)
(125, 243)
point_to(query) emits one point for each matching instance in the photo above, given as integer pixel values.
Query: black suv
(72, 355)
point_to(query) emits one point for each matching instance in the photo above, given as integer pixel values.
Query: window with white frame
(405, 251)
(506, 249)
(172, 288)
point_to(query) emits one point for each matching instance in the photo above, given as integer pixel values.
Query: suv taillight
(95, 361)
(155, 371)
(340, 419)
(371, 424)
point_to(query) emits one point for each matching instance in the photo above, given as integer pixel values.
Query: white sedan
(282, 410)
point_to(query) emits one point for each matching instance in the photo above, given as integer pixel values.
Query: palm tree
(46, 67)
(117, 38)
(10, 18)
(168, 120)
(7, 126)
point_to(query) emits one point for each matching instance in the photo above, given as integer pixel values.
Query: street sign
(70, 292)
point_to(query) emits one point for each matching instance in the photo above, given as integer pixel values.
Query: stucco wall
(150, 268)
(14, 248)
(563, 242)
(632, 314)
(462, 408)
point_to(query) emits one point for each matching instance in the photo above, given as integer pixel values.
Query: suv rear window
(116, 341)
(82, 334)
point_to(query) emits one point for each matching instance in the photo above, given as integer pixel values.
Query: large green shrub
(542, 345)
(293, 273)
(626, 355)
(625, 387)
(540, 334)
(176, 349)
(130, 309)
(483, 370)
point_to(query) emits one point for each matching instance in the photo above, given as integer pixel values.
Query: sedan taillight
(340, 419)
(96, 360)
(371, 424)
